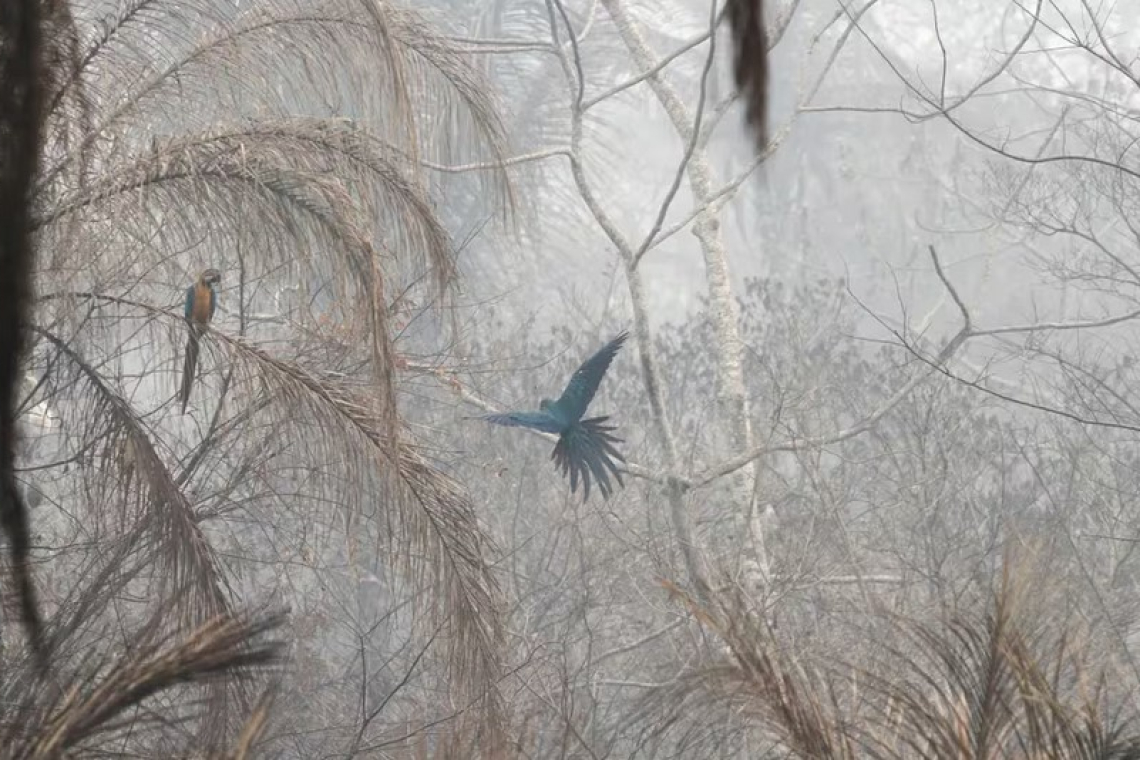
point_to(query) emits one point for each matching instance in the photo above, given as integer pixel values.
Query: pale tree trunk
(733, 408)
(650, 367)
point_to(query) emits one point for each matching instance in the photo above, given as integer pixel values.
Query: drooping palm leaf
(184, 134)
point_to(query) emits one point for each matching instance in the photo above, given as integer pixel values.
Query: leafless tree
(830, 477)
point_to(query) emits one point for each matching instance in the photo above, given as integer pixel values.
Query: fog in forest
(867, 478)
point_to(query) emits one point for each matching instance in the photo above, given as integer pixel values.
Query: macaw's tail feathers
(586, 449)
(189, 368)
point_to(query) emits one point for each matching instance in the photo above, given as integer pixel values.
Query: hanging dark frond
(21, 111)
(750, 63)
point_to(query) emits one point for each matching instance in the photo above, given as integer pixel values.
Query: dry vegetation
(828, 545)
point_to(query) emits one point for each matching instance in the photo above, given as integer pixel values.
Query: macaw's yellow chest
(201, 308)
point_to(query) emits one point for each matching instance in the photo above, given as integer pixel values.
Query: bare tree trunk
(733, 409)
(650, 368)
(651, 376)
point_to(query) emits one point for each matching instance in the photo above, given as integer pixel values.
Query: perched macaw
(584, 447)
(201, 303)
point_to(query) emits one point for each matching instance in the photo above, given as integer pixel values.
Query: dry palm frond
(332, 170)
(100, 580)
(99, 703)
(253, 730)
(67, 108)
(997, 684)
(1060, 721)
(341, 201)
(759, 682)
(169, 516)
(960, 703)
(277, 174)
(183, 134)
(986, 686)
(429, 518)
(369, 54)
(428, 514)
(283, 180)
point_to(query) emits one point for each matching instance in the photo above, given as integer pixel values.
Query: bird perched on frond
(585, 448)
(201, 303)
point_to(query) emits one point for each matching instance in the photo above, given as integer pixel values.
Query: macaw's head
(545, 404)
(211, 276)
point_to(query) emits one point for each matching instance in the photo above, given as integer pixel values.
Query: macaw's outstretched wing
(535, 420)
(584, 384)
(586, 449)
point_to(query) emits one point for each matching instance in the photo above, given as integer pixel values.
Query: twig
(661, 65)
(950, 287)
(694, 138)
(539, 155)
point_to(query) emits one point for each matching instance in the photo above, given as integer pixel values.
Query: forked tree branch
(650, 371)
(733, 414)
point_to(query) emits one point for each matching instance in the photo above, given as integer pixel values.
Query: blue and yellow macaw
(201, 303)
(584, 447)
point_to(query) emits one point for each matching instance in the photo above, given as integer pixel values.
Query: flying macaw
(201, 303)
(584, 447)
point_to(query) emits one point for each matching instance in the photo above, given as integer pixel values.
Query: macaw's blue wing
(586, 450)
(213, 300)
(584, 384)
(188, 308)
(535, 420)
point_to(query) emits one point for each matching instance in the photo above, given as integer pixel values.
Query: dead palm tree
(281, 143)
